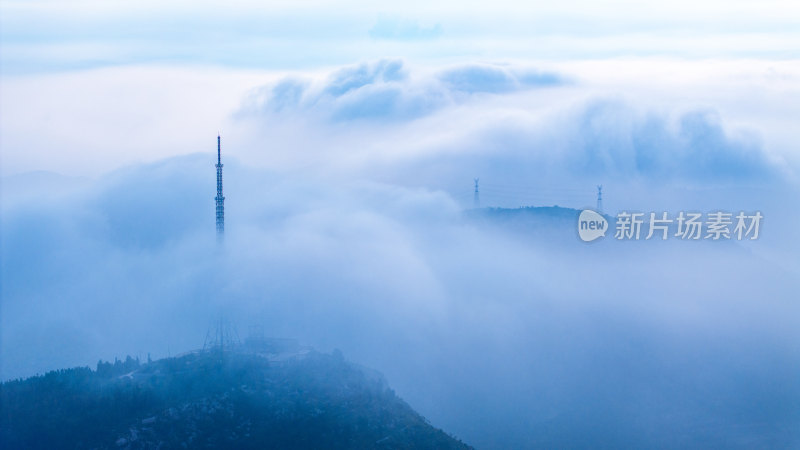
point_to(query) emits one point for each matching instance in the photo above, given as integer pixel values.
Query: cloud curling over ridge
(384, 90)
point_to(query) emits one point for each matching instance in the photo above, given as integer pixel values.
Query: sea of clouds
(347, 227)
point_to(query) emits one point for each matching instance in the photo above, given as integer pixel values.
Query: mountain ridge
(211, 398)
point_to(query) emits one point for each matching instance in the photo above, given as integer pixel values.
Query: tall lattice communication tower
(219, 198)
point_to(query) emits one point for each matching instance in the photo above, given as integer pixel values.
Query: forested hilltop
(214, 399)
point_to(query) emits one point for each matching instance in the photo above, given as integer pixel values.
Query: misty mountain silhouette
(543, 223)
(536, 214)
(214, 399)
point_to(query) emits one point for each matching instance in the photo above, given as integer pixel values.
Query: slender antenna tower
(600, 198)
(476, 202)
(219, 198)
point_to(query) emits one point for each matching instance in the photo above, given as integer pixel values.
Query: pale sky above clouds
(76, 75)
(55, 35)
